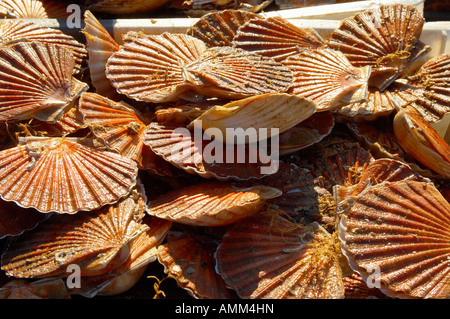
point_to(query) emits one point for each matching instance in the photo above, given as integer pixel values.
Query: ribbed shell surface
(63, 175)
(396, 235)
(32, 9)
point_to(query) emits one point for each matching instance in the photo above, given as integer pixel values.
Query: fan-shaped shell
(233, 73)
(310, 131)
(33, 9)
(151, 68)
(97, 242)
(70, 122)
(36, 81)
(219, 28)
(252, 119)
(276, 37)
(326, 77)
(119, 126)
(396, 236)
(267, 256)
(197, 154)
(189, 258)
(383, 37)
(211, 204)
(63, 175)
(13, 31)
(100, 46)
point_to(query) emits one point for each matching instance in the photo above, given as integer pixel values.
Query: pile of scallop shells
(103, 171)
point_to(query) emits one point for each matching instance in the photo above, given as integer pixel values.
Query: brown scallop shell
(326, 77)
(219, 28)
(310, 131)
(120, 126)
(33, 9)
(47, 288)
(233, 73)
(14, 220)
(189, 258)
(276, 37)
(211, 204)
(97, 242)
(64, 175)
(36, 81)
(13, 31)
(384, 37)
(268, 256)
(184, 149)
(100, 46)
(151, 68)
(395, 235)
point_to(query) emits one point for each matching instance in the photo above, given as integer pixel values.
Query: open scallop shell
(233, 73)
(151, 68)
(36, 82)
(14, 220)
(97, 242)
(395, 235)
(13, 31)
(33, 9)
(268, 256)
(310, 131)
(219, 28)
(256, 118)
(211, 204)
(118, 125)
(384, 37)
(421, 141)
(189, 258)
(100, 46)
(326, 77)
(276, 37)
(197, 154)
(64, 175)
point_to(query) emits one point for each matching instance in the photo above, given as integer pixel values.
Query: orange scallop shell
(276, 37)
(36, 82)
(13, 31)
(219, 28)
(64, 175)
(189, 258)
(33, 9)
(395, 235)
(70, 122)
(97, 242)
(211, 204)
(356, 288)
(268, 256)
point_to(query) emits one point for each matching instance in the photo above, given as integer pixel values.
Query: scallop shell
(119, 7)
(395, 236)
(219, 28)
(97, 242)
(276, 37)
(326, 77)
(143, 251)
(14, 220)
(33, 9)
(233, 73)
(184, 113)
(211, 204)
(70, 122)
(100, 46)
(356, 288)
(421, 141)
(36, 81)
(47, 288)
(151, 68)
(378, 104)
(310, 131)
(186, 149)
(14, 31)
(248, 120)
(189, 258)
(64, 175)
(384, 37)
(268, 256)
(118, 125)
